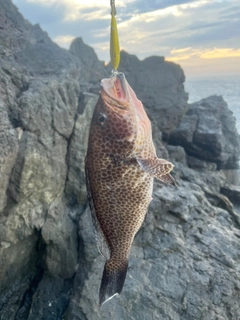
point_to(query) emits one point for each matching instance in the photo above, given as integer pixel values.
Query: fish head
(119, 117)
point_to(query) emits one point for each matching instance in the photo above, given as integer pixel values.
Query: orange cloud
(180, 50)
(217, 53)
(209, 53)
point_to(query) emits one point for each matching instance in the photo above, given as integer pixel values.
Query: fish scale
(120, 165)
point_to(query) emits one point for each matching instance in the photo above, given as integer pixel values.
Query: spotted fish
(120, 165)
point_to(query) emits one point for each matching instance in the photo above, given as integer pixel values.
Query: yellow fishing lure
(114, 43)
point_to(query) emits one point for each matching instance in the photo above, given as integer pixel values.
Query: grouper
(120, 165)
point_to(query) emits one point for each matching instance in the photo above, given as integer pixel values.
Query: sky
(202, 36)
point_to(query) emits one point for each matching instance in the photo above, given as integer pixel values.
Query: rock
(200, 164)
(75, 190)
(219, 200)
(92, 70)
(8, 153)
(36, 181)
(19, 267)
(232, 176)
(208, 132)
(184, 263)
(37, 118)
(60, 260)
(59, 234)
(177, 154)
(14, 29)
(159, 85)
(232, 192)
(30, 46)
(179, 261)
(43, 59)
(50, 299)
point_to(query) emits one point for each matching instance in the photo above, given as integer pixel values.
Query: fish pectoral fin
(158, 168)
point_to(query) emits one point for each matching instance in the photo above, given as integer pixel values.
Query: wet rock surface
(184, 261)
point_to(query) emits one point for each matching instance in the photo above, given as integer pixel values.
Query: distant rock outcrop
(92, 70)
(184, 262)
(208, 132)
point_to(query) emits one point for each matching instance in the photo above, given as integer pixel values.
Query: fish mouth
(117, 88)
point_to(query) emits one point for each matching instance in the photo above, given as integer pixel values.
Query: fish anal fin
(157, 167)
(167, 178)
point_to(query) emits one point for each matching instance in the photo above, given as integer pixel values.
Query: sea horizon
(227, 86)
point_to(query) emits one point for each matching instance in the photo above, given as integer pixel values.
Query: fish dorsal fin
(100, 238)
(158, 168)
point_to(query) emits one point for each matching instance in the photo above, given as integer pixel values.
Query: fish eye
(101, 118)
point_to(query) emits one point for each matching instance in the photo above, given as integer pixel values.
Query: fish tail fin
(113, 278)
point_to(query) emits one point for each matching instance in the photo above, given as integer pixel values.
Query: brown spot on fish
(121, 162)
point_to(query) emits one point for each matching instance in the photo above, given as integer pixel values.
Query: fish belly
(121, 195)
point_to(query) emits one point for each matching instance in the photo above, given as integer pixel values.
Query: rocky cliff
(184, 262)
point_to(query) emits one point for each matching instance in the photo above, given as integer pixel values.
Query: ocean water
(228, 87)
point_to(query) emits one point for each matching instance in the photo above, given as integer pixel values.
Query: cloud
(39, 13)
(195, 24)
(217, 53)
(204, 30)
(207, 61)
(92, 9)
(79, 9)
(64, 41)
(209, 53)
(211, 67)
(181, 50)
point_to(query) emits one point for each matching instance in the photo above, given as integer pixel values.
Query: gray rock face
(208, 132)
(37, 119)
(13, 29)
(43, 59)
(34, 180)
(92, 71)
(232, 192)
(75, 190)
(184, 262)
(30, 46)
(8, 152)
(181, 264)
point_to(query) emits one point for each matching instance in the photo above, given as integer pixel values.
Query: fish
(120, 167)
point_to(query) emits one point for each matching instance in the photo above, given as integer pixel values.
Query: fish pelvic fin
(113, 279)
(158, 168)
